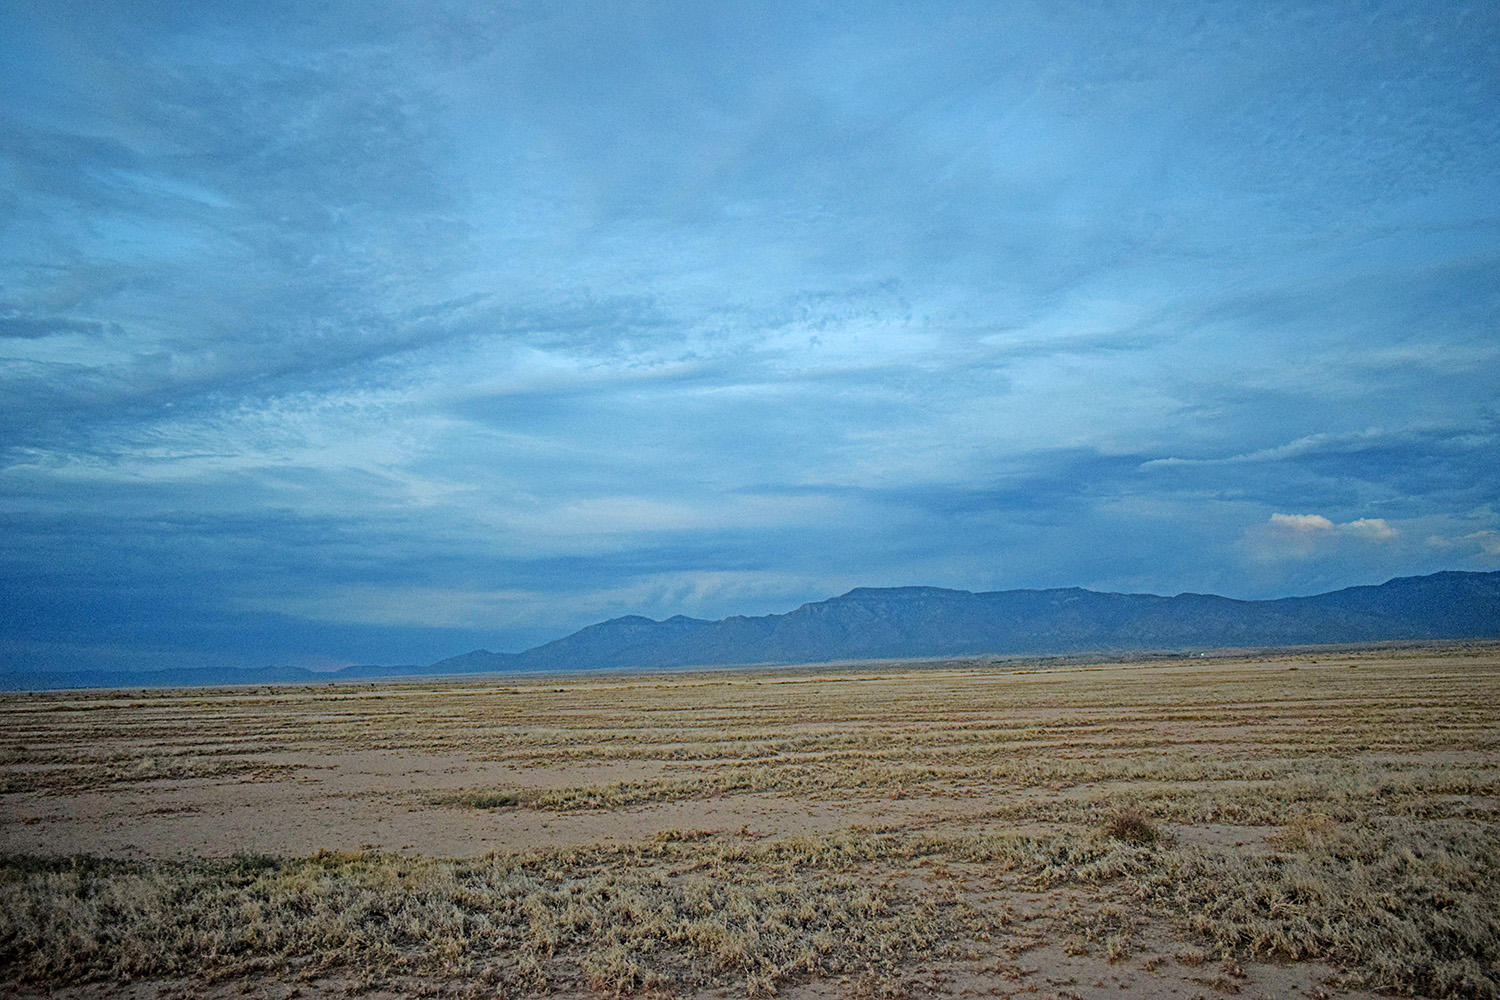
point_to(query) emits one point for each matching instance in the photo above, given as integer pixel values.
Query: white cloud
(1302, 536)
(1488, 541)
(1302, 522)
(1371, 528)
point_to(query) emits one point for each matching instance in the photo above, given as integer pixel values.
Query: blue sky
(339, 333)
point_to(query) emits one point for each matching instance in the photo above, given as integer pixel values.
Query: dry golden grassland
(1318, 823)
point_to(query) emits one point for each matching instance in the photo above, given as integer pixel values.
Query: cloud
(705, 593)
(1302, 522)
(562, 309)
(1403, 470)
(1370, 528)
(1488, 541)
(19, 327)
(1310, 536)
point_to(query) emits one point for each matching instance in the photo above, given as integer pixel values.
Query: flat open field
(1318, 824)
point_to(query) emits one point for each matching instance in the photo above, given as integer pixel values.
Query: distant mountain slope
(180, 677)
(895, 622)
(900, 622)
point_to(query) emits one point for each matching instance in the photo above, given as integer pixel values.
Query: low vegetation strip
(616, 921)
(1403, 905)
(131, 770)
(621, 794)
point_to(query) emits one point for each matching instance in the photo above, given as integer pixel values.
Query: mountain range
(871, 623)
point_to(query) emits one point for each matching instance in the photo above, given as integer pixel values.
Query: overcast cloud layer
(375, 333)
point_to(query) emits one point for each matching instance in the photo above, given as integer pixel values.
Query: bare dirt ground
(1317, 823)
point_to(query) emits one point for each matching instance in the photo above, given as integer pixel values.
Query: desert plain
(1311, 823)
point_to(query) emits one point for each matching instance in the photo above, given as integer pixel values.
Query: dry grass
(1130, 824)
(1403, 907)
(675, 912)
(1347, 812)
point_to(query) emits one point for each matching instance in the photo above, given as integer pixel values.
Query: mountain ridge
(859, 624)
(868, 623)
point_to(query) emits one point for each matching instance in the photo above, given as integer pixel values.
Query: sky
(375, 333)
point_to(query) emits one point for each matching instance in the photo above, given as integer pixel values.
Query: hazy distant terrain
(911, 622)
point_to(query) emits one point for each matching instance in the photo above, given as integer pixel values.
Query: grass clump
(1310, 832)
(1132, 825)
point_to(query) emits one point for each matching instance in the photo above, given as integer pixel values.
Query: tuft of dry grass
(1131, 825)
(1313, 831)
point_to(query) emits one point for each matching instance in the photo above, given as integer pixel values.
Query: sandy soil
(963, 747)
(380, 800)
